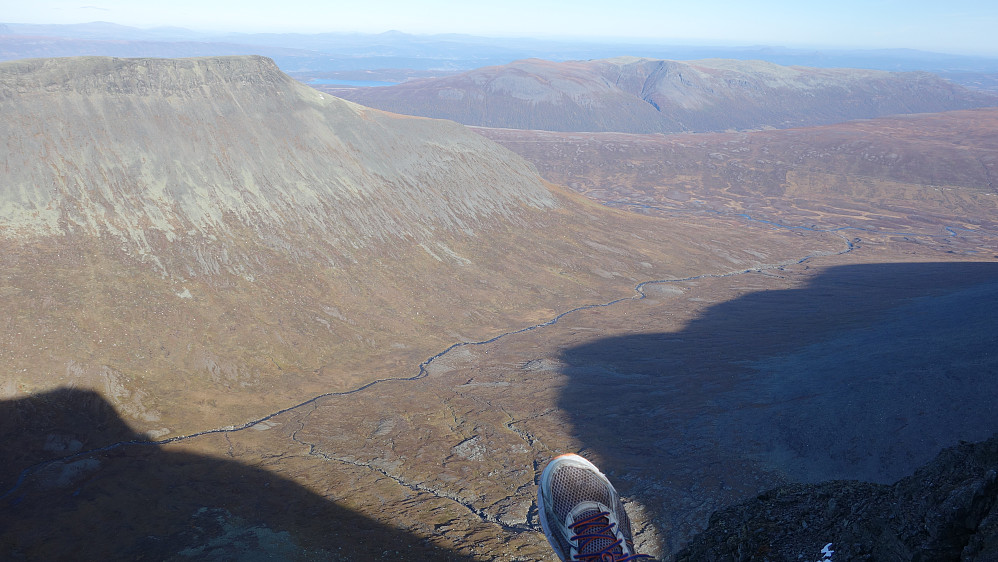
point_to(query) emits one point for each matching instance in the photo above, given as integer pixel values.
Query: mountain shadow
(865, 373)
(143, 502)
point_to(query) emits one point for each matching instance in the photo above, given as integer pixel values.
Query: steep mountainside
(148, 150)
(659, 96)
(207, 241)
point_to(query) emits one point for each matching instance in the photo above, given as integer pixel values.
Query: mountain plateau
(638, 95)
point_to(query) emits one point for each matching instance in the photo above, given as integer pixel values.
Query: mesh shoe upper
(581, 513)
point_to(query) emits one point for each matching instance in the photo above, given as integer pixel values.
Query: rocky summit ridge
(640, 95)
(154, 150)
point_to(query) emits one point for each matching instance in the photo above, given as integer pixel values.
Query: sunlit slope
(205, 241)
(148, 150)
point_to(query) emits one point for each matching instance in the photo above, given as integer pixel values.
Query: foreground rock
(944, 511)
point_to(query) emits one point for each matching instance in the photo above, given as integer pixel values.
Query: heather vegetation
(242, 318)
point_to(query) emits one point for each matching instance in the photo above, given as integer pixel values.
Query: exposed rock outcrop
(946, 510)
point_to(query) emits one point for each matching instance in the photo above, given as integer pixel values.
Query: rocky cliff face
(153, 151)
(946, 510)
(637, 95)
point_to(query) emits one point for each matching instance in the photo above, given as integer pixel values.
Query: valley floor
(859, 357)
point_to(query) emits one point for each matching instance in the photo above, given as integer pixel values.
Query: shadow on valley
(865, 373)
(145, 502)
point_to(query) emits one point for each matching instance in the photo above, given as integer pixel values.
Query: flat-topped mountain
(639, 95)
(208, 241)
(192, 235)
(152, 150)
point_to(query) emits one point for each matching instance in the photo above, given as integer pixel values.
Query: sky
(951, 26)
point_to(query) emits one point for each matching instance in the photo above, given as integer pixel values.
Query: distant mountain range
(639, 95)
(327, 52)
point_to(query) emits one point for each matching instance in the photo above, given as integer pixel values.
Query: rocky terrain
(243, 319)
(944, 511)
(636, 95)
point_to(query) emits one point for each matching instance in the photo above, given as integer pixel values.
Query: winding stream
(639, 294)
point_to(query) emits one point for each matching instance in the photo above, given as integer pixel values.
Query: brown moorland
(912, 173)
(205, 243)
(503, 324)
(237, 242)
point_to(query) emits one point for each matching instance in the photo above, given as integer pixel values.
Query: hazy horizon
(956, 27)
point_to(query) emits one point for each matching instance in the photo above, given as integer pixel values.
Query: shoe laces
(598, 540)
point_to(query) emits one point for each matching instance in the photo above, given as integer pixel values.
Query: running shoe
(581, 513)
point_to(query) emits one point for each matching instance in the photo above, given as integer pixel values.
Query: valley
(925, 174)
(375, 358)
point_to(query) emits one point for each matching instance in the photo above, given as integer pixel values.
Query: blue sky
(954, 26)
